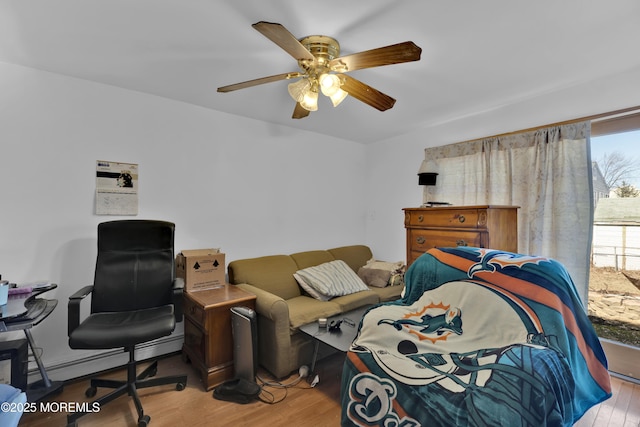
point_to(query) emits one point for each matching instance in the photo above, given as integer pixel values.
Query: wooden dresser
(208, 340)
(494, 227)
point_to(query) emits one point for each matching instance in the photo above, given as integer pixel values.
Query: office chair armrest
(178, 284)
(73, 307)
(178, 289)
(82, 293)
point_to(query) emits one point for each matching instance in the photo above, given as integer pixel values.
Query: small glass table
(342, 338)
(22, 312)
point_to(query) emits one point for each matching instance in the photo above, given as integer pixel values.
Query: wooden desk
(208, 340)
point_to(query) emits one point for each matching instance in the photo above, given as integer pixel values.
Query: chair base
(130, 387)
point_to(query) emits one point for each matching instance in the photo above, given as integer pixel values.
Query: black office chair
(135, 298)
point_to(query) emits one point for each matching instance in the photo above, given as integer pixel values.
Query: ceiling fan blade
(299, 112)
(393, 54)
(283, 38)
(259, 81)
(366, 93)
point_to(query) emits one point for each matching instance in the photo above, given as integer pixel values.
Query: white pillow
(317, 295)
(332, 279)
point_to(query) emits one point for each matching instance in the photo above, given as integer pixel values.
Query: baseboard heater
(623, 359)
(103, 361)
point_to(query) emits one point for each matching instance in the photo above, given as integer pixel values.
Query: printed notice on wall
(116, 188)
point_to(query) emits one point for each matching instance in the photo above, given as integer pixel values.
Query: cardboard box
(201, 269)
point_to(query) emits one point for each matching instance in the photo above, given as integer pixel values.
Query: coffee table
(341, 339)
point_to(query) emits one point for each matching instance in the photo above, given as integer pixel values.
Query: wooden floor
(301, 405)
(621, 410)
(193, 406)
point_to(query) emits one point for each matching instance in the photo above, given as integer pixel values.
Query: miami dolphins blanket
(480, 338)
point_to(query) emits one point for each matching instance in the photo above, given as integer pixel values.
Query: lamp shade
(310, 100)
(427, 173)
(298, 89)
(428, 166)
(427, 178)
(329, 84)
(338, 97)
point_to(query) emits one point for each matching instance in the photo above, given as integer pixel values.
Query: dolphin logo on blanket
(450, 320)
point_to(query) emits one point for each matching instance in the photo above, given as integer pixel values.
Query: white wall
(245, 186)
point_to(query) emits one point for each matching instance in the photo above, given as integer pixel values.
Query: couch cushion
(356, 300)
(355, 255)
(389, 293)
(374, 277)
(334, 278)
(311, 258)
(379, 273)
(272, 273)
(304, 309)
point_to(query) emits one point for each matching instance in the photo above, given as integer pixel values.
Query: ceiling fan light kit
(323, 69)
(329, 84)
(299, 88)
(338, 97)
(310, 101)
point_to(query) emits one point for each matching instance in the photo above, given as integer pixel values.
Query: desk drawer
(458, 218)
(194, 311)
(196, 342)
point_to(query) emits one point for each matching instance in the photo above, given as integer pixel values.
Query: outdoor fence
(618, 257)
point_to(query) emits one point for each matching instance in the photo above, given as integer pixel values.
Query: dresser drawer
(451, 218)
(423, 240)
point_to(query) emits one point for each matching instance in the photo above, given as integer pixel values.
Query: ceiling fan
(323, 70)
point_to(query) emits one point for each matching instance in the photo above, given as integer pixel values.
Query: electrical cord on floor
(271, 398)
(303, 372)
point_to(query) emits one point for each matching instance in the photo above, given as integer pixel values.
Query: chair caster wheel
(91, 391)
(144, 421)
(180, 386)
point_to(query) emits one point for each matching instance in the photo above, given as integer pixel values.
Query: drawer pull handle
(461, 218)
(420, 218)
(420, 240)
(461, 242)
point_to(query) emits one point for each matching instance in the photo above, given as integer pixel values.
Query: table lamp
(427, 177)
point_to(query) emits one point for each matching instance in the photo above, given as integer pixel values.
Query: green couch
(283, 306)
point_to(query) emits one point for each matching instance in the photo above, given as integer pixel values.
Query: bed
(480, 338)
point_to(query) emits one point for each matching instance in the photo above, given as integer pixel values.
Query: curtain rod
(566, 122)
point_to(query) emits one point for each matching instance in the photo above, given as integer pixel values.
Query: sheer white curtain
(547, 172)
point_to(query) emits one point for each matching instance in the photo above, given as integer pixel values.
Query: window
(614, 280)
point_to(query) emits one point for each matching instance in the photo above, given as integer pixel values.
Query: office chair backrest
(135, 267)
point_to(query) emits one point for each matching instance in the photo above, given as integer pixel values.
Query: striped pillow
(332, 279)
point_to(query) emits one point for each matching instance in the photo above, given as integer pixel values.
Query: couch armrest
(268, 305)
(274, 332)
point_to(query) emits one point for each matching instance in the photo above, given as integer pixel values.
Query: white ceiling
(476, 55)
